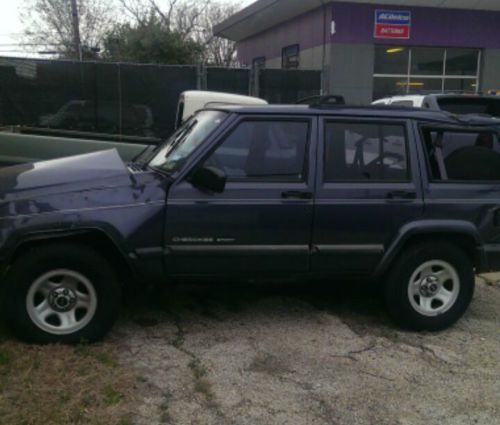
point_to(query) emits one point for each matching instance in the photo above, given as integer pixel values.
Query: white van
(460, 104)
(192, 101)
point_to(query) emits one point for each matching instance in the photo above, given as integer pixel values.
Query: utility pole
(76, 30)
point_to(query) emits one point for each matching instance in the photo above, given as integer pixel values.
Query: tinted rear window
(463, 106)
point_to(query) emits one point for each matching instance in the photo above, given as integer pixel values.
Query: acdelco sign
(392, 24)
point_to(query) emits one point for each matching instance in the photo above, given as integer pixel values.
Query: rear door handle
(402, 195)
(298, 194)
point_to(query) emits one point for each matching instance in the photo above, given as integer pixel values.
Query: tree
(217, 51)
(180, 16)
(149, 41)
(191, 21)
(48, 24)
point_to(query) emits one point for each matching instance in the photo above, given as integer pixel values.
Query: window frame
(260, 62)
(378, 122)
(285, 56)
(275, 118)
(454, 129)
(409, 77)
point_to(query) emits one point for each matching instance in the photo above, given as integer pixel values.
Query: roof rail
(377, 107)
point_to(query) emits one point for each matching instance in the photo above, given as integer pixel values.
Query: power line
(19, 51)
(29, 44)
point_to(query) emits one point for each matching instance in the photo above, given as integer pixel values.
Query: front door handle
(402, 195)
(298, 194)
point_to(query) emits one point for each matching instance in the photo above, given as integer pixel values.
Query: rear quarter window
(462, 155)
(475, 106)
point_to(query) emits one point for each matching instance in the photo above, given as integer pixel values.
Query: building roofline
(265, 14)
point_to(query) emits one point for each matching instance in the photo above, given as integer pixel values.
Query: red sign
(392, 24)
(392, 31)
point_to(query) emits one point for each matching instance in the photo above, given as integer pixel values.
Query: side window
(290, 57)
(264, 150)
(365, 152)
(259, 63)
(455, 155)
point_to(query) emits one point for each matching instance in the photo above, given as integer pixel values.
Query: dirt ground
(307, 354)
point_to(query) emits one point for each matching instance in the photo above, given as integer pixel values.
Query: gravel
(307, 354)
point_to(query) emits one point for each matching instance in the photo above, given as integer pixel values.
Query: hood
(88, 169)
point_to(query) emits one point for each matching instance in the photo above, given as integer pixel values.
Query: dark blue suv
(404, 197)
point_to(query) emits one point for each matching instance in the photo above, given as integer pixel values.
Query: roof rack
(378, 107)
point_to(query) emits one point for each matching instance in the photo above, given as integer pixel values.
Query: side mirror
(209, 179)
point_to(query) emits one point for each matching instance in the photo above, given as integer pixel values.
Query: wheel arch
(462, 234)
(94, 238)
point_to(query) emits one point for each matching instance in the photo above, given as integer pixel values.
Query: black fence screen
(126, 99)
(231, 80)
(283, 86)
(153, 91)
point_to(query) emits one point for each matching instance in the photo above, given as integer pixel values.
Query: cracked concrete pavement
(307, 354)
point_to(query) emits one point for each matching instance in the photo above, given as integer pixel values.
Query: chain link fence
(127, 100)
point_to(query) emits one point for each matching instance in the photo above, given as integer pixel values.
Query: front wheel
(60, 293)
(430, 286)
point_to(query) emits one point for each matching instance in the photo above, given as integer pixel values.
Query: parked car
(72, 129)
(102, 117)
(461, 104)
(405, 197)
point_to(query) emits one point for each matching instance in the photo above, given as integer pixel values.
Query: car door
(262, 222)
(462, 182)
(367, 188)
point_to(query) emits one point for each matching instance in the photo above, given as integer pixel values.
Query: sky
(11, 27)
(10, 24)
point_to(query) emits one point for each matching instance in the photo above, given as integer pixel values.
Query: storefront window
(462, 61)
(425, 85)
(415, 70)
(460, 85)
(389, 87)
(391, 60)
(427, 61)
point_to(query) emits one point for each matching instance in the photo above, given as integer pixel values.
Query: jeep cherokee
(409, 198)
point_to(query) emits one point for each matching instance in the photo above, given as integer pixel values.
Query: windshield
(174, 153)
(472, 105)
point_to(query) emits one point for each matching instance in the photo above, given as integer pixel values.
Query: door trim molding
(348, 249)
(236, 250)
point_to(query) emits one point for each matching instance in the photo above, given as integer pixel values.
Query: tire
(64, 293)
(430, 286)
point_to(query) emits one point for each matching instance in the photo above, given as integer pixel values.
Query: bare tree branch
(49, 23)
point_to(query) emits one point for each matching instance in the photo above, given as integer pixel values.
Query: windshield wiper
(182, 136)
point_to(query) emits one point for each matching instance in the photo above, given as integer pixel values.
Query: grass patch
(111, 396)
(165, 415)
(5, 357)
(102, 356)
(201, 384)
(61, 385)
(198, 370)
(204, 387)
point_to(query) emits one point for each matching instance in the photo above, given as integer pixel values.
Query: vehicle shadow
(357, 304)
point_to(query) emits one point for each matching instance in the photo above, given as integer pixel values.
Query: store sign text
(392, 24)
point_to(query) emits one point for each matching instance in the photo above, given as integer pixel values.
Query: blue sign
(393, 17)
(392, 24)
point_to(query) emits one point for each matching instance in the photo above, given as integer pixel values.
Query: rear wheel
(61, 293)
(430, 286)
